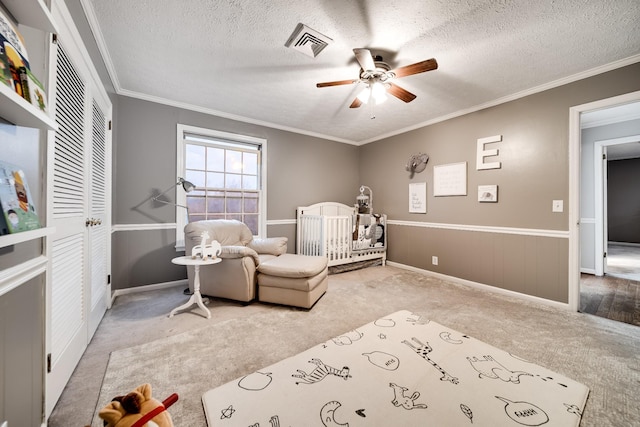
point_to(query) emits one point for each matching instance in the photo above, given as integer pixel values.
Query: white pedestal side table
(196, 297)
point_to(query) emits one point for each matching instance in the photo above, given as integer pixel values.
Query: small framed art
(488, 193)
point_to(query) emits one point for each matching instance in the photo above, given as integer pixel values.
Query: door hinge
(604, 157)
(54, 38)
(109, 124)
(48, 362)
(108, 279)
(605, 255)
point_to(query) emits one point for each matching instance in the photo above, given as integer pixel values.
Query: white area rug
(401, 370)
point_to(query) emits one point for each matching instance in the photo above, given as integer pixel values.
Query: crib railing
(326, 229)
(310, 236)
(338, 239)
(328, 236)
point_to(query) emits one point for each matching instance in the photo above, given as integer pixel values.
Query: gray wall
(535, 162)
(301, 170)
(623, 196)
(22, 354)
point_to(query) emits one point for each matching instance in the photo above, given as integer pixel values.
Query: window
(227, 172)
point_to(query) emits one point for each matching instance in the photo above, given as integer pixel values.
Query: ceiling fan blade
(364, 59)
(356, 103)
(418, 67)
(336, 83)
(400, 93)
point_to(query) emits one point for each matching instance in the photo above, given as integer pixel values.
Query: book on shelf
(5, 68)
(32, 89)
(18, 211)
(13, 54)
(13, 38)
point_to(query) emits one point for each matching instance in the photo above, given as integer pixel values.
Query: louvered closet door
(78, 288)
(98, 221)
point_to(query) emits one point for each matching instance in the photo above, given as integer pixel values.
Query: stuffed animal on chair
(138, 409)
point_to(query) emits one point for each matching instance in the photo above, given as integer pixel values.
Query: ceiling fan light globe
(378, 92)
(364, 95)
(374, 92)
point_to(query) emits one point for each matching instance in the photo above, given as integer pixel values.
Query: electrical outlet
(434, 260)
(558, 206)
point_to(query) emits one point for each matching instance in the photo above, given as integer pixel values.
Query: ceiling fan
(378, 77)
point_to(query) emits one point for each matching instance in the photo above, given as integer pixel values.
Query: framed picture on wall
(450, 179)
(488, 193)
(418, 197)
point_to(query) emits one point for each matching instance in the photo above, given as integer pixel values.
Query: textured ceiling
(229, 57)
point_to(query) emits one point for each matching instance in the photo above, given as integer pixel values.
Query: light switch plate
(558, 206)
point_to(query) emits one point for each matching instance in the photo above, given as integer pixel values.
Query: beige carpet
(601, 354)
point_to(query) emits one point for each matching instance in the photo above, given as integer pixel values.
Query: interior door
(605, 210)
(78, 192)
(67, 325)
(98, 223)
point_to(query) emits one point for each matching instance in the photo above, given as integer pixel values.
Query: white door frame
(600, 180)
(574, 186)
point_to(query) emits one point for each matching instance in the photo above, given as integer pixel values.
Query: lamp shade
(186, 185)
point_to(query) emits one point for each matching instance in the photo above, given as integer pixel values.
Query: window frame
(181, 196)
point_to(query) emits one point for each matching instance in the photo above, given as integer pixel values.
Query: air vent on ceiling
(307, 40)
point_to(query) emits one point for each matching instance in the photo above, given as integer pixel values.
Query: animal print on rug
(399, 370)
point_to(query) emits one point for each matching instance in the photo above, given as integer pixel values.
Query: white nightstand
(196, 298)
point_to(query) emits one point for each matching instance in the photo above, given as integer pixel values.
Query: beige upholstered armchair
(236, 276)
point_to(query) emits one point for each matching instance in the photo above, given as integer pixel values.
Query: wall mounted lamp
(186, 186)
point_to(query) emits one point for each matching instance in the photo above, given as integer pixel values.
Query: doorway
(613, 291)
(584, 212)
(615, 196)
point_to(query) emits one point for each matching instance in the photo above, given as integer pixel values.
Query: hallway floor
(623, 261)
(616, 295)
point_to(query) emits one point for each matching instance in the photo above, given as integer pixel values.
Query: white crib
(327, 229)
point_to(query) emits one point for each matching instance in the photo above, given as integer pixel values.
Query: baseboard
(146, 288)
(482, 286)
(588, 271)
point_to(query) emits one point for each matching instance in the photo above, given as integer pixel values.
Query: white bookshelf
(19, 112)
(33, 13)
(25, 236)
(14, 108)
(24, 269)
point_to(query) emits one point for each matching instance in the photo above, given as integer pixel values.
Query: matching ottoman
(297, 280)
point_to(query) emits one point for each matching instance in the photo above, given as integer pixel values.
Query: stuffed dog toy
(138, 409)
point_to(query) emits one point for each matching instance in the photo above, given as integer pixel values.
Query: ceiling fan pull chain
(372, 104)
